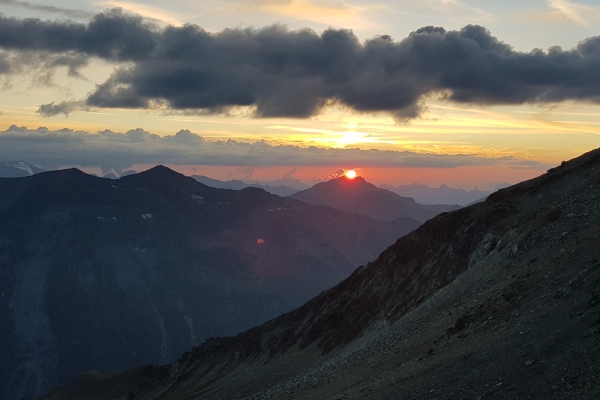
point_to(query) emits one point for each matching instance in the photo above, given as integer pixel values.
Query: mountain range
(17, 169)
(284, 187)
(279, 190)
(359, 196)
(108, 274)
(499, 300)
(443, 194)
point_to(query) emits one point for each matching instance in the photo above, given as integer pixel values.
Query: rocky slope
(499, 300)
(359, 196)
(108, 274)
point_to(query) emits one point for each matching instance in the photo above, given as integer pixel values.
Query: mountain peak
(334, 190)
(345, 184)
(160, 170)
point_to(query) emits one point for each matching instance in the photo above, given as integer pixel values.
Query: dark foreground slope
(109, 274)
(359, 196)
(500, 300)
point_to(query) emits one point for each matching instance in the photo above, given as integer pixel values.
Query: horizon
(284, 180)
(462, 93)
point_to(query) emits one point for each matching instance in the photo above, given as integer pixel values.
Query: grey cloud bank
(110, 150)
(283, 73)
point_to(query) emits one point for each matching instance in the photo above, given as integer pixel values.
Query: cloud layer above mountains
(111, 150)
(283, 73)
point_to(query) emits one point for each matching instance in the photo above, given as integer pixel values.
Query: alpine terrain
(110, 274)
(499, 300)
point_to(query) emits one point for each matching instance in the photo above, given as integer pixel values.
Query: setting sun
(351, 174)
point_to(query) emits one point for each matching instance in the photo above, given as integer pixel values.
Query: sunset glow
(350, 174)
(303, 105)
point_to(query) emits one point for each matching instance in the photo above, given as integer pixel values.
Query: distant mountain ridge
(424, 194)
(108, 274)
(279, 190)
(359, 196)
(17, 169)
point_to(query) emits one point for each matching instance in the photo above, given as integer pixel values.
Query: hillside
(499, 300)
(109, 274)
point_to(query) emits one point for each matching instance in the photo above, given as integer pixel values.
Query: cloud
(119, 151)
(574, 12)
(64, 107)
(71, 13)
(41, 65)
(144, 10)
(277, 72)
(565, 11)
(111, 35)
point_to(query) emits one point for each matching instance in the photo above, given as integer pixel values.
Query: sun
(350, 174)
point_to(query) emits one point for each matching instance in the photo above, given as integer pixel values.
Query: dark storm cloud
(283, 73)
(48, 9)
(111, 150)
(111, 35)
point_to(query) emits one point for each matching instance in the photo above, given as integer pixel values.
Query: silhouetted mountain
(17, 169)
(280, 190)
(108, 274)
(500, 300)
(359, 196)
(293, 183)
(424, 194)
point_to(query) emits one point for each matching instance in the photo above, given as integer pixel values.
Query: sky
(465, 93)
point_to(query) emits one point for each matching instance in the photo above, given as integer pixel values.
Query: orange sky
(466, 177)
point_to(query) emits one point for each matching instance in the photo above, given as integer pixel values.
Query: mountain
(108, 274)
(17, 169)
(499, 300)
(111, 175)
(279, 190)
(424, 194)
(293, 183)
(359, 196)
